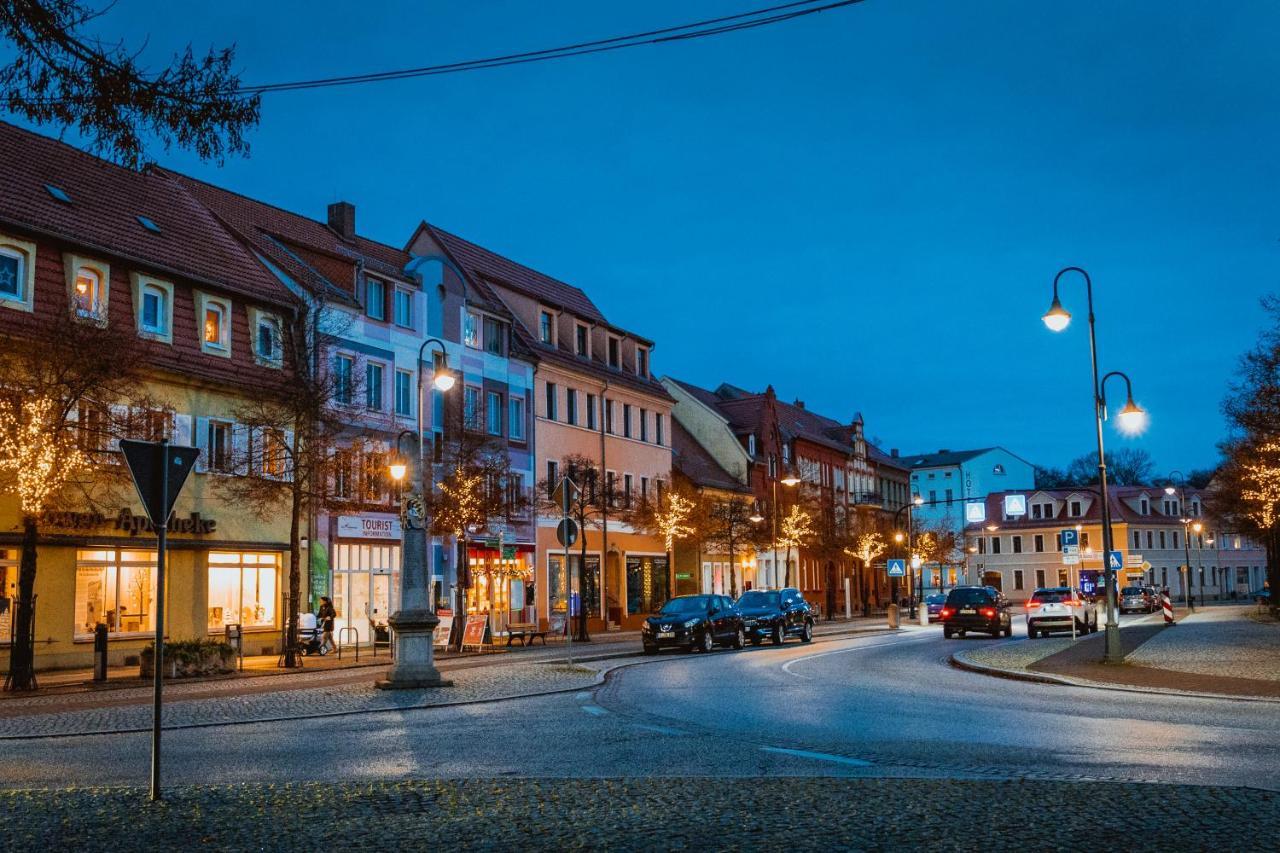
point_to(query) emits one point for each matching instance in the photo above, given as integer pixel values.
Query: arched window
(87, 292)
(155, 309)
(13, 274)
(215, 326)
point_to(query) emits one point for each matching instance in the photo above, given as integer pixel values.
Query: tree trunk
(733, 571)
(464, 578)
(1273, 569)
(786, 569)
(581, 632)
(21, 654)
(295, 577)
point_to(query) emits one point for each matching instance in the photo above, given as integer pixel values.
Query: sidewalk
(1216, 651)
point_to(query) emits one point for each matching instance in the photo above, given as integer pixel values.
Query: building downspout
(604, 515)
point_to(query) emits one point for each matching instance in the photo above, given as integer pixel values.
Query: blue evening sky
(864, 208)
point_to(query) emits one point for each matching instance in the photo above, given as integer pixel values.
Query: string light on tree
(40, 467)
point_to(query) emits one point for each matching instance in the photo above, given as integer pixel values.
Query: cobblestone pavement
(645, 814)
(1220, 641)
(321, 699)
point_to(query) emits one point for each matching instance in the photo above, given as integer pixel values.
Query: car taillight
(988, 612)
(946, 611)
(1033, 603)
(1071, 602)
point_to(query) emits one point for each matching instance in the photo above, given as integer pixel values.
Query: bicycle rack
(342, 643)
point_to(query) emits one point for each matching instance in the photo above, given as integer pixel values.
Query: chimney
(894, 452)
(799, 404)
(342, 219)
(944, 450)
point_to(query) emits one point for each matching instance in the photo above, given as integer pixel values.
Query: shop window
(8, 591)
(115, 588)
(558, 582)
(243, 589)
(648, 584)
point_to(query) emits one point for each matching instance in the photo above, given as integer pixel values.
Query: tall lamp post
(790, 481)
(1131, 419)
(916, 500)
(414, 622)
(1181, 491)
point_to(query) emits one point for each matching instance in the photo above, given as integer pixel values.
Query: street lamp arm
(1102, 387)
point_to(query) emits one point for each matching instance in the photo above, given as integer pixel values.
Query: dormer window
(615, 352)
(1145, 506)
(1076, 509)
(215, 332)
(89, 284)
(267, 346)
(582, 340)
(546, 328)
(17, 273)
(375, 298)
(153, 301)
(642, 362)
(471, 330)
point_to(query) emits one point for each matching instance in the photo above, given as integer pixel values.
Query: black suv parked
(976, 608)
(694, 623)
(776, 614)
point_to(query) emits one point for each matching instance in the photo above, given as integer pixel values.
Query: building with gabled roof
(594, 398)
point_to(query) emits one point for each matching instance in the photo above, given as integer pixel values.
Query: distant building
(1018, 554)
(948, 478)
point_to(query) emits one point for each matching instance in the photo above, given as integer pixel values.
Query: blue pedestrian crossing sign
(897, 568)
(1115, 560)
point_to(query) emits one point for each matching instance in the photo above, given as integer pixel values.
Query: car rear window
(968, 596)
(1052, 595)
(936, 598)
(1131, 590)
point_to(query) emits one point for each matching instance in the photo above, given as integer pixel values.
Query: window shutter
(182, 430)
(202, 444)
(241, 447)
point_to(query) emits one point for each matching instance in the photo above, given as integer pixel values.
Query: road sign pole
(162, 542)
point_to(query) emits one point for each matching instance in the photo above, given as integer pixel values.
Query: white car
(1059, 608)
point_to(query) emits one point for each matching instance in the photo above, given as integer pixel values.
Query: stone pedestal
(414, 666)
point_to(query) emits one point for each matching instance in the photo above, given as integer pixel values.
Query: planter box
(189, 659)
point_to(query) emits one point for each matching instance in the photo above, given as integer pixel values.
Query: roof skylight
(58, 193)
(149, 225)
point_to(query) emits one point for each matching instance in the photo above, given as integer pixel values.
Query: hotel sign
(369, 526)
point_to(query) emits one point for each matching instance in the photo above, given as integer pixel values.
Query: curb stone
(956, 660)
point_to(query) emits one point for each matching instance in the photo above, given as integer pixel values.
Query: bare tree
(729, 526)
(58, 75)
(60, 412)
(292, 428)
(1128, 466)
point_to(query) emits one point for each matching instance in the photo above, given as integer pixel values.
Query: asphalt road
(873, 706)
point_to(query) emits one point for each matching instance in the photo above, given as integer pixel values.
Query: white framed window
(219, 447)
(273, 453)
(373, 378)
(88, 288)
(17, 273)
(268, 343)
(375, 298)
(472, 414)
(404, 392)
(751, 445)
(515, 422)
(343, 373)
(153, 305)
(546, 327)
(404, 308)
(493, 413)
(117, 588)
(215, 324)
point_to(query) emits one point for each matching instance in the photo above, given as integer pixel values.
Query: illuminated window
(243, 590)
(471, 330)
(115, 588)
(88, 293)
(215, 328)
(274, 454)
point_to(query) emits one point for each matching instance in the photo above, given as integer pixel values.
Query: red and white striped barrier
(1166, 604)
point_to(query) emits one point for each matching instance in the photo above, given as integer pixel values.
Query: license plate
(968, 610)
(666, 635)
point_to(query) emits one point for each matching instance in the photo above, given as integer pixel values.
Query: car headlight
(692, 623)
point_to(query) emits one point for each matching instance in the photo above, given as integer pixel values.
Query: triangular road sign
(565, 493)
(151, 463)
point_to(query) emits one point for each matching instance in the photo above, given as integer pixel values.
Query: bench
(525, 632)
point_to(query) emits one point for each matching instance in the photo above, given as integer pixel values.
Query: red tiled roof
(106, 200)
(1120, 510)
(480, 263)
(280, 233)
(743, 410)
(693, 460)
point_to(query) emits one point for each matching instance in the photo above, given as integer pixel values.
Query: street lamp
(916, 500)
(790, 481)
(1131, 419)
(415, 620)
(1181, 491)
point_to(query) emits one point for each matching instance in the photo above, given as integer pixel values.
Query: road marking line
(786, 667)
(817, 756)
(594, 710)
(662, 730)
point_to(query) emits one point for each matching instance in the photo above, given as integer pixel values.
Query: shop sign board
(473, 633)
(508, 552)
(441, 636)
(369, 526)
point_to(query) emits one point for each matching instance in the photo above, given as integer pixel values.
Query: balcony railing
(866, 499)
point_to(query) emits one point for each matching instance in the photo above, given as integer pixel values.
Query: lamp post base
(414, 651)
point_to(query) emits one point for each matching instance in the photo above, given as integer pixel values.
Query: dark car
(694, 623)
(934, 604)
(776, 615)
(976, 608)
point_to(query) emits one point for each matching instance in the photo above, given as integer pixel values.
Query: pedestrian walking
(327, 614)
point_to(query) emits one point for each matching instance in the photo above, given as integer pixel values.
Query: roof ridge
(512, 261)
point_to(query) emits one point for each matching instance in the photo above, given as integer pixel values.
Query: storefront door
(364, 588)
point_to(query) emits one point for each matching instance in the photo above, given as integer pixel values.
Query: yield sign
(565, 493)
(159, 471)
